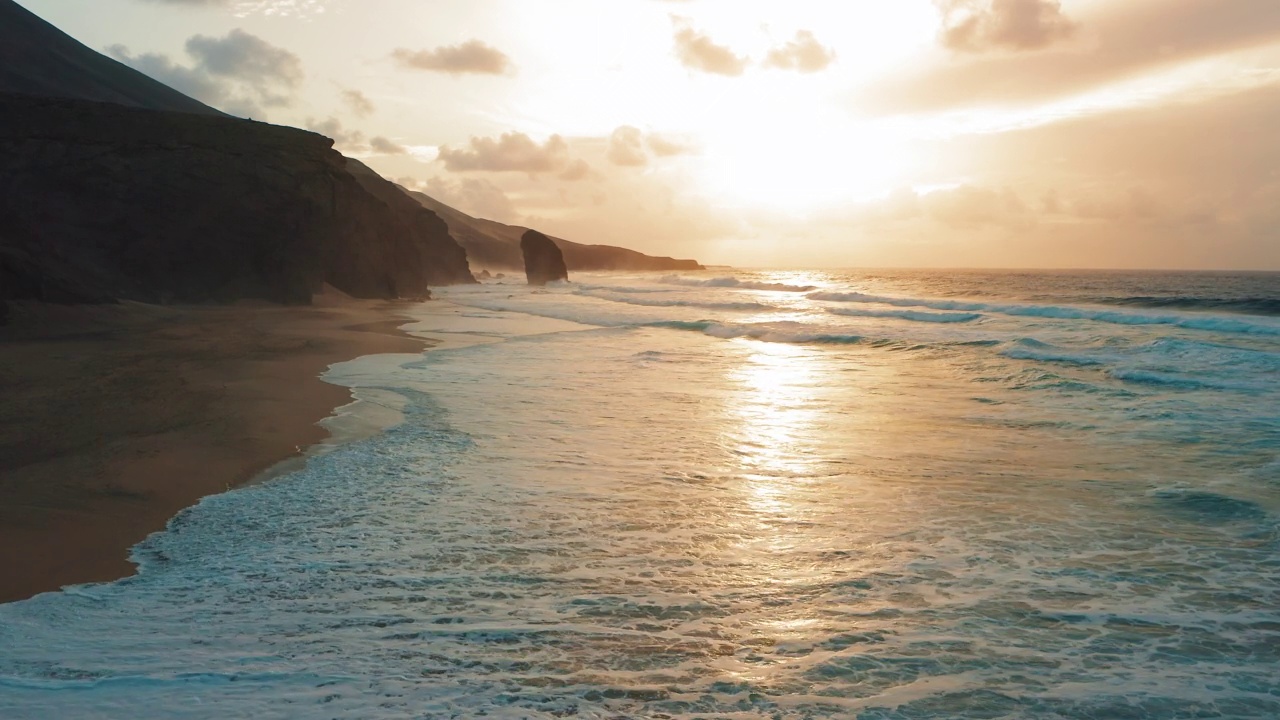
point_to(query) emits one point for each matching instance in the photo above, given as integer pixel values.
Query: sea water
(737, 495)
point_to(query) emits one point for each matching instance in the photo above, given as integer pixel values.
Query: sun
(802, 162)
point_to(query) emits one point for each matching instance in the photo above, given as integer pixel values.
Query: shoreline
(117, 417)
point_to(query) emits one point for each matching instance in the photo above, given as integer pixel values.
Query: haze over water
(748, 494)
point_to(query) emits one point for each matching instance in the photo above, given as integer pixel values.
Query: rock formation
(543, 261)
(114, 186)
(101, 201)
(495, 245)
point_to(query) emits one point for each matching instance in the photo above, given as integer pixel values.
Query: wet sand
(114, 418)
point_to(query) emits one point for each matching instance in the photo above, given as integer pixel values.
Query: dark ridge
(37, 58)
(101, 201)
(493, 245)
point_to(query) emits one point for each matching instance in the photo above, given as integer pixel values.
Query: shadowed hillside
(125, 199)
(102, 201)
(37, 58)
(491, 244)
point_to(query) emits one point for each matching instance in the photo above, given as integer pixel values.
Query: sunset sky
(957, 133)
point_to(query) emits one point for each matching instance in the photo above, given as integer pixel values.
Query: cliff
(491, 244)
(37, 58)
(102, 201)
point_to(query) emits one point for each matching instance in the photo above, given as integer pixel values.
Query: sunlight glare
(794, 164)
(776, 420)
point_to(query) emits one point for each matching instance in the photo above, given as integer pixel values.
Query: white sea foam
(913, 315)
(747, 306)
(684, 511)
(733, 282)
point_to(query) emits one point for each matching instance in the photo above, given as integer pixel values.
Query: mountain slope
(491, 244)
(37, 58)
(101, 201)
(155, 197)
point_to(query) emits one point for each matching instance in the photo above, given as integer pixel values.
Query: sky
(796, 133)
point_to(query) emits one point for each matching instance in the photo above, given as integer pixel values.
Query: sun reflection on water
(776, 412)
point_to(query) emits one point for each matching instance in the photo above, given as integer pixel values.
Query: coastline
(119, 416)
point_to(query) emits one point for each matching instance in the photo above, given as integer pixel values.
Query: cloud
(193, 82)
(247, 58)
(803, 54)
(242, 8)
(664, 146)
(981, 25)
(472, 56)
(626, 147)
(1168, 186)
(511, 152)
(358, 103)
(474, 196)
(332, 128)
(239, 74)
(1118, 40)
(972, 206)
(577, 170)
(352, 142)
(697, 51)
(967, 206)
(383, 146)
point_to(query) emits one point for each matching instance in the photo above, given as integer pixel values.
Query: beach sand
(113, 418)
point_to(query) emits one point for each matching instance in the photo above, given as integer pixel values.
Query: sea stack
(543, 261)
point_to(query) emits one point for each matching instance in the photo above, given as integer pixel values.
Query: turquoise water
(773, 494)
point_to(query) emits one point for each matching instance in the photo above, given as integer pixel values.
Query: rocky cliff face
(543, 261)
(492, 244)
(449, 264)
(101, 201)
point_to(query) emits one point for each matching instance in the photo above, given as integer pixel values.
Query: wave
(623, 289)
(1245, 305)
(1134, 365)
(1217, 355)
(856, 297)
(1053, 355)
(1142, 376)
(914, 315)
(1187, 353)
(781, 332)
(1208, 507)
(1206, 323)
(733, 282)
(656, 302)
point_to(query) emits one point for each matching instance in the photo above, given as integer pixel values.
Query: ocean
(736, 494)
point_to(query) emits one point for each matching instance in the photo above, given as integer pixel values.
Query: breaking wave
(1207, 323)
(1245, 305)
(733, 282)
(777, 332)
(913, 315)
(658, 302)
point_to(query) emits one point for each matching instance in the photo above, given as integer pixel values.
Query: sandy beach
(116, 417)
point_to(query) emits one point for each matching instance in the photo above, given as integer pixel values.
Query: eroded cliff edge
(496, 245)
(101, 201)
